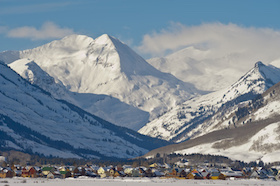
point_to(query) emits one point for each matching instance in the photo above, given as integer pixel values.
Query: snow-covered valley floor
(131, 182)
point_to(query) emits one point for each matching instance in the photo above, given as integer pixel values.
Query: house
(194, 174)
(277, 177)
(50, 175)
(119, 174)
(255, 174)
(216, 176)
(24, 172)
(190, 175)
(174, 173)
(136, 173)
(154, 165)
(47, 170)
(142, 171)
(206, 175)
(101, 172)
(62, 168)
(271, 173)
(82, 171)
(264, 174)
(91, 174)
(65, 174)
(38, 170)
(71, 168)
(233, 174)
(6, 173)
(94, 168)
(274, 170)
(17, 172)
(32, 172)
(198, 176)
(157, 173)
(126, 166)
(76, 172)
(149, 173)
(112, 172)
(56, 174)
(183, 174)
(247, 171)
(128, 171)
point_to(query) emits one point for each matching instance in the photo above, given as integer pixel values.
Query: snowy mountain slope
(243, 143)
(201, 115)
(265, 107)
(258, 139)
(31, 120)
(107, 66)
(106, 107)
(205, 69)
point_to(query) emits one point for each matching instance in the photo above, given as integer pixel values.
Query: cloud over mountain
(220, 40)
(49, 30)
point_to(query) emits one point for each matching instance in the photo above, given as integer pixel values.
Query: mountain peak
(104, 39)
(259, 64)
(107, 66)
(258, 79)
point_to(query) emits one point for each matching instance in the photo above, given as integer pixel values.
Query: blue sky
(128, 20)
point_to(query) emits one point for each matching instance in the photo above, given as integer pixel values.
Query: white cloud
(213, 55)
(49, 30)
(219, 39)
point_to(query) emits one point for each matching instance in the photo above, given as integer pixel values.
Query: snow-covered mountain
(106, 66)
(202, 67)
(207, 113)
(257, 138)
(32, 121)
(104, 106)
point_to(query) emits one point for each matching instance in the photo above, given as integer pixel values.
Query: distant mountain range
(255, 135)
(70, 84)
(204, 113)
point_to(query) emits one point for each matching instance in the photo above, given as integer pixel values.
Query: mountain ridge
(254, 137)
(197, 116)
(106, 66)
(31, 120)
(100, 105)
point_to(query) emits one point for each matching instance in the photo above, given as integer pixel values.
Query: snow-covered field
(132, 182)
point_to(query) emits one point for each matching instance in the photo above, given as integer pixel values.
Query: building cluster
(154, 170)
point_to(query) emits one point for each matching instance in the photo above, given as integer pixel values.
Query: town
(180, 170)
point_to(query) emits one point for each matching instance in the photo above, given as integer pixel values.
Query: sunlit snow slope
(106, 66)
(104, 106)
(32, 121)
(256, 138)
(202, 114)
